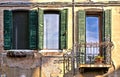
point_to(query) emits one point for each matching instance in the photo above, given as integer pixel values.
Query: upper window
(94, 25)
(94, 28)
(20, 29)
(35, 29)
(51, 30)
(93, 32)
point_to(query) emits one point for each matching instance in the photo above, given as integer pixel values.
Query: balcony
(94, 54)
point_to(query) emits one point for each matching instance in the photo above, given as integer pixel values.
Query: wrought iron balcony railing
(94, 52)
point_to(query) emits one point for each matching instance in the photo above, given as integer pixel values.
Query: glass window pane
(92, 38)
(20, 30)
(92, 29)
(51, 31)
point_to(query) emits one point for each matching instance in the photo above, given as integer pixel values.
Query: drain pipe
(73, 37)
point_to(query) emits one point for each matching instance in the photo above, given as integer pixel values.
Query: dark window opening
(20, 30)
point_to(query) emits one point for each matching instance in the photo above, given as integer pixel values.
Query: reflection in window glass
(92, 36)
(92, 29)
(51, 31)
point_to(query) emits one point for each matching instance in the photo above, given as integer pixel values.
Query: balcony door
(92, 38)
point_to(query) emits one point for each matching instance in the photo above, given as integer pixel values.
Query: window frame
(100, 17)
(52, 12)
(63, 28)
(8, 26)
(19, 11)
(105, 34)
(98, 14)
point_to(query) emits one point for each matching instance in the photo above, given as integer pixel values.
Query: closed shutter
(82, 34)
(33, 22)
(7, 29)
(63, 29)
(40, 28)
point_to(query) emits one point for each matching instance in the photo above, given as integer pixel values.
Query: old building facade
(52, 28)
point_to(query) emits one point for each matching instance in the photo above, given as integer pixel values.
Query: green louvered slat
(103, 27)
(82, 34)
(7, 29)
(33, 22)
(63, 29)
(103, 33)
(107, 36)
(40, 28)
(107, 24)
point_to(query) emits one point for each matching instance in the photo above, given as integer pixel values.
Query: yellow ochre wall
(49, 68)
(114, 13)
(55, 0)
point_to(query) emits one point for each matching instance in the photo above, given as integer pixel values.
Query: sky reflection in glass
(51, 31)
(92, 29)
(92, 36)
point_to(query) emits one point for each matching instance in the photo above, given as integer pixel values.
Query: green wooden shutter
(82, 34)
(107, 26)
(33, 22)
(7, 29)
(103, 27)
(63, 29)
(107, 35)
(40, 28)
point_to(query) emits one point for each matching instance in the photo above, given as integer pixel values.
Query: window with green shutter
(20, 29)
(52, 29)
(94, 28)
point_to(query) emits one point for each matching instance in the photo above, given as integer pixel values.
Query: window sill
(40, 51)
(54, 53)
(21, 50)
(45, 50)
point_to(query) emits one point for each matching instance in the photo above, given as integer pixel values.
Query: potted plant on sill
(99, 59)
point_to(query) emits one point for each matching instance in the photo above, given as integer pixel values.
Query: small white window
(51, 31)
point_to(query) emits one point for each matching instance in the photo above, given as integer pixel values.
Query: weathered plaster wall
(69, 15)
(55, 0)
(49, 67)
(115, 30)
(116, 35)
(16, 8)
